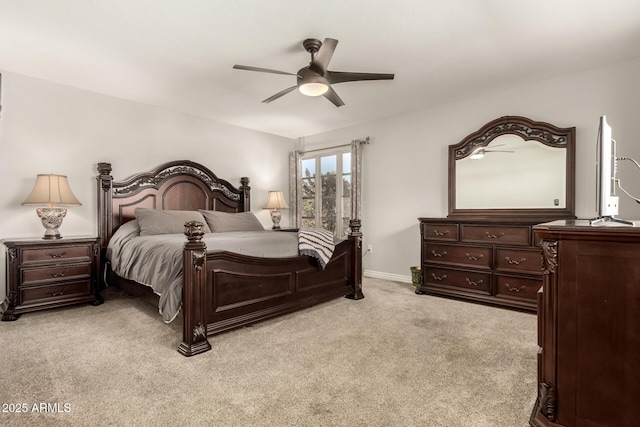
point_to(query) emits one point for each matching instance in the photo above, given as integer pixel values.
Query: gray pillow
(219, 222)
(154, 221)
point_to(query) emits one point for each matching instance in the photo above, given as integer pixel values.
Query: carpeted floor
(392, 359)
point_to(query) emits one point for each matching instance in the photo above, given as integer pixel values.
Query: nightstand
(44, 274)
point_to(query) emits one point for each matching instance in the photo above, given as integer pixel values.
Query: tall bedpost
(105, 217)
(194, 328)
(356, 235)
(246, 193)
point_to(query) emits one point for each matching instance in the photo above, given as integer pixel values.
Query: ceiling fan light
(477, 154)
(313, 89)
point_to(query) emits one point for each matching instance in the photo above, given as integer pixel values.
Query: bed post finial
(194, 327)
(104, 168)
(355, 234)
(246, 193)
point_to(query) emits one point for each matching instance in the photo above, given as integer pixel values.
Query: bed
(223, 290)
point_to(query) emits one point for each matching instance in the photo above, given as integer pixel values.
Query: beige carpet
(392, 359)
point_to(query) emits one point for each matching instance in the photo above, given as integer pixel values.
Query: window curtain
(295, 187)
(356, 176)
(295, 181)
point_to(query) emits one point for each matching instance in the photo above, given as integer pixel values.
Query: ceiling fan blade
(262, 70)
(332, 96)
(321, 59)
(279, 94)
(341, 77)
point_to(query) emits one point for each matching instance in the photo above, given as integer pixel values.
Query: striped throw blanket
(317, 243)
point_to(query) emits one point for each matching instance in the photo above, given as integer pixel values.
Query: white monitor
(606, 165)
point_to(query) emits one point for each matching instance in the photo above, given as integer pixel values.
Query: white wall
(51, 128)
(405, 166)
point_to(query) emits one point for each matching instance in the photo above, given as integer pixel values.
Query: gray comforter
(156, 261)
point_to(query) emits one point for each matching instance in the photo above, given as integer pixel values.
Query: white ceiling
(179, 54)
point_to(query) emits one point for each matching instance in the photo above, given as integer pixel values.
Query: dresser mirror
(513, 166)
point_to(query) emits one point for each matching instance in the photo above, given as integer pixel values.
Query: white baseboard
(388, 276)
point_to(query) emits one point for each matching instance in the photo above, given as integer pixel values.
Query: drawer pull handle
(512, 289)
(493, 236)
(57, 294)
(56, 255)
(438, 255)
(471, 282)
(438, 233)
(61, 274)
(515, 261)
(439, 278)
(473, 257)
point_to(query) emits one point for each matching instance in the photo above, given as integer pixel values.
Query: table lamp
(275, 202)
(51, 190)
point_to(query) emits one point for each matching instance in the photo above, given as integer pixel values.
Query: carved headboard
(178, 185)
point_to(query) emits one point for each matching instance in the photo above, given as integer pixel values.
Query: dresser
(44, 274)
(589, 325)
(491, 261)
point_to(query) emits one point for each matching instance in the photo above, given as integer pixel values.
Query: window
(326, 191)
(325, 187)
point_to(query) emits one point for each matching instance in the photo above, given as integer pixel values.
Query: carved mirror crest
(513, 166)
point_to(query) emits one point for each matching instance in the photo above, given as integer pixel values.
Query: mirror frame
(529, 130)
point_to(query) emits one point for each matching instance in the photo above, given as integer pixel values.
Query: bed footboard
(223, 290)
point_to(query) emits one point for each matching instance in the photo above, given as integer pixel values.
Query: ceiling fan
(480, 152)
(315, 79)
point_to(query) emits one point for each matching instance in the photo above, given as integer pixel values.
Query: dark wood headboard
(178, 185)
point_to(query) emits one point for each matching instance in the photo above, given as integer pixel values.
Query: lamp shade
(275, 200)
(52, 190)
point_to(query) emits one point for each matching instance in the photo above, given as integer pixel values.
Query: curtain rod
(361, 141)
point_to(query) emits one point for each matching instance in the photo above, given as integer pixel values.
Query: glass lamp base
(51, 220)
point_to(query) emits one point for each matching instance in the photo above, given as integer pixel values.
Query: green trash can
(415, 275)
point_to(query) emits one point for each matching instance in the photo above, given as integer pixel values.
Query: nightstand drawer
(61, 272)
(60, 291)
(57, 254)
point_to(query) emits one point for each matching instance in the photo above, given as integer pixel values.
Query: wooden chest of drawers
(44, 274)
(588, 317)
(487, 261)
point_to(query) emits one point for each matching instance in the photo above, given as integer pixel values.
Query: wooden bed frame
(224, 290)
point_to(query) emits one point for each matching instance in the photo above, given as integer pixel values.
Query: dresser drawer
(59, 291)
(57, 254)
(471, 280)
(472, 256)
(442, 232)
(525, 260)
(59, 272)
(517, 287)
(498, 235)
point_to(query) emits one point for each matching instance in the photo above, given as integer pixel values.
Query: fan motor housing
(312, 45)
